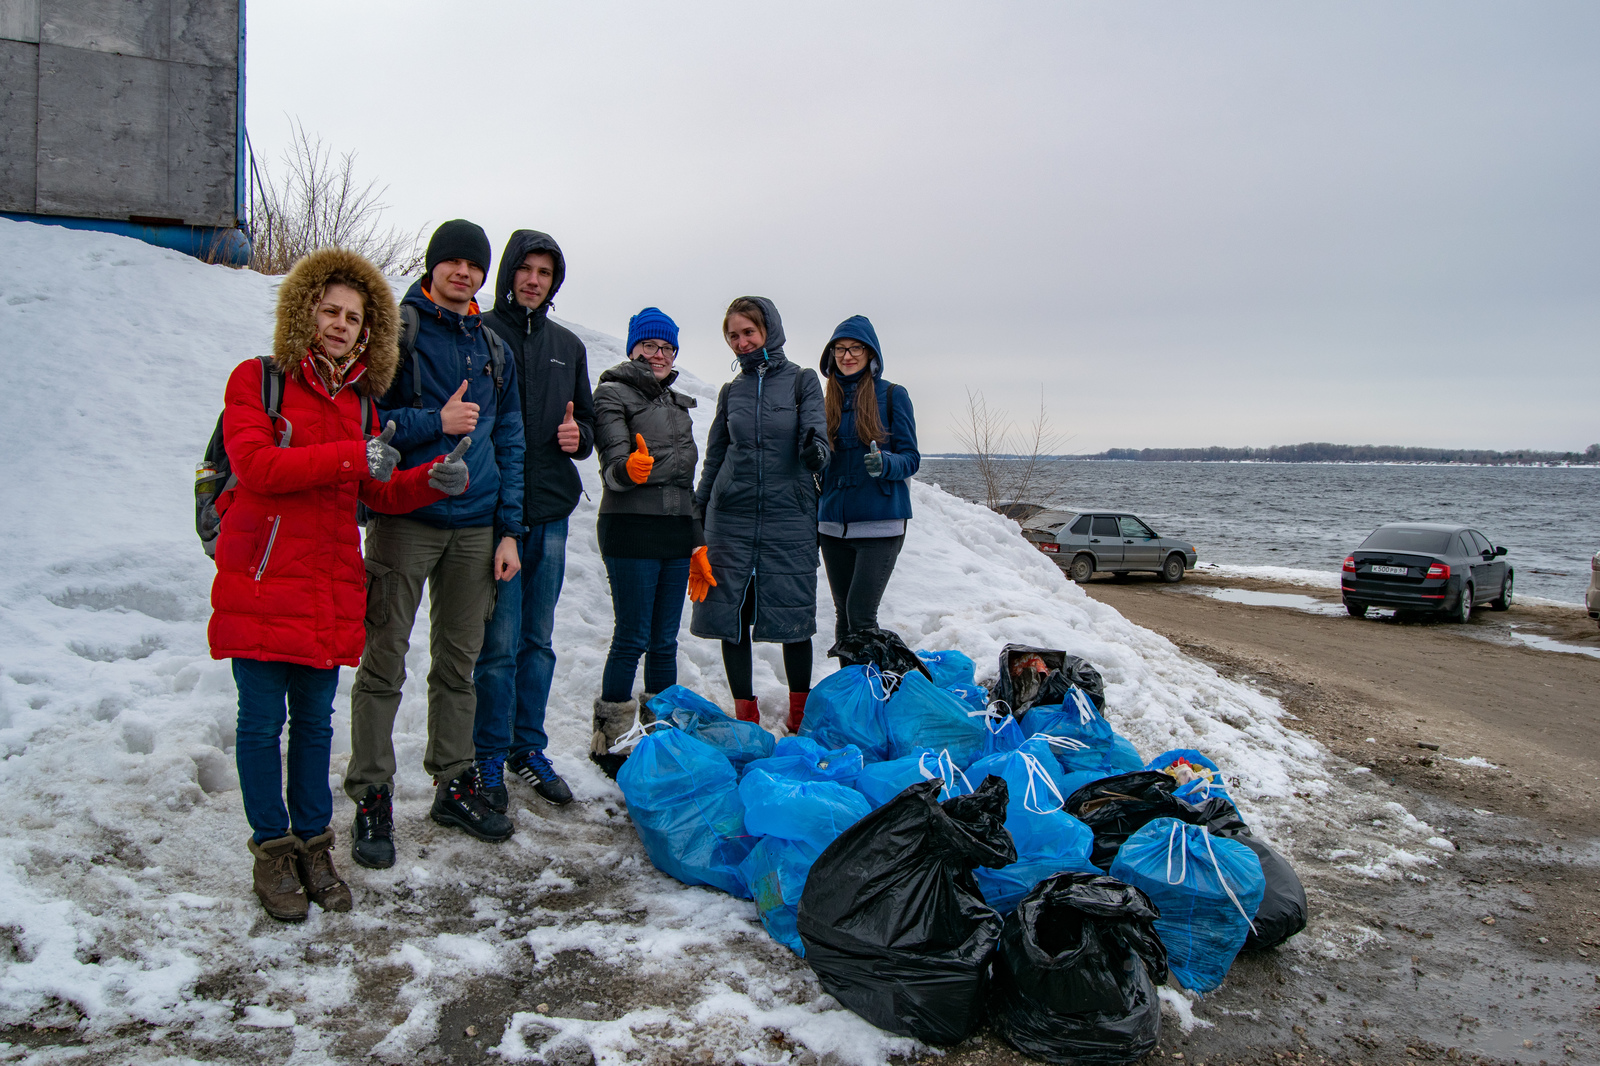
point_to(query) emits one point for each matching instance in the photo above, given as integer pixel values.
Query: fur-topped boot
(611, 721)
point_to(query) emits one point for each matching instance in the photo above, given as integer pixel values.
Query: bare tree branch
(1011, 463)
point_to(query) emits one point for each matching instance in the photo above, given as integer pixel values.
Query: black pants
(737, 662)
(858, 572)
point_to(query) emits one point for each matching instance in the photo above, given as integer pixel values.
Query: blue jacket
(849, 494)
(452, 348)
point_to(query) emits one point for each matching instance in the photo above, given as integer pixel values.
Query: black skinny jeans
(858, 572)
(736, 657)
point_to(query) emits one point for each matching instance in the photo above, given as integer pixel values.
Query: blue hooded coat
(849, 494)
(451, 349)
(759, 501)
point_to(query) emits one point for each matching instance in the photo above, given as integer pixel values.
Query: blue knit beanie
(651, 324)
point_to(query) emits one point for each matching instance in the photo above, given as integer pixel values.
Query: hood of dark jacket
(773, 352)
(522, 242)
(636, 374)
(297, 316)
(857, 328)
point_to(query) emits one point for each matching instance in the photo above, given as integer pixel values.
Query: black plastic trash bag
(881, 647)
(1283, 909)
(892, 920)
(1075, 976)
(1040, 677)
(1117, 807)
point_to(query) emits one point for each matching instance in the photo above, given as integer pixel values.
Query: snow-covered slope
(123, 871)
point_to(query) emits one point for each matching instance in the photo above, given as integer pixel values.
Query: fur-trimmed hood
(297, 299)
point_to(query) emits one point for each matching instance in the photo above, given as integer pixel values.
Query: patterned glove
(449, 475)
(381, 458)
(640, 461)
(700, 579)
(873, 460)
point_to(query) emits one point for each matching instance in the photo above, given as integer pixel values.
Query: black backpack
(215, 475)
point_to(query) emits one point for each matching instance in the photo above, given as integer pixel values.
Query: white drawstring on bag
(1086, 711)
(948, 771)
(1036, 772)
(1179, 829)
(635, 734)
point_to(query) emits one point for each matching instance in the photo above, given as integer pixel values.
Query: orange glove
(700, 579)
(640, 462)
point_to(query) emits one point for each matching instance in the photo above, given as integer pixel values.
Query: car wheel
(1172, 570)
(1357, 610)
(1463, 610)
(1082, 569)
(1503, 601)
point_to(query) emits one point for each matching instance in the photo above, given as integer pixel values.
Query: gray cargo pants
(458, 566)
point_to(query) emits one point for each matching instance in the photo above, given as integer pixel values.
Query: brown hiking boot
(277, 881)
(322, 882)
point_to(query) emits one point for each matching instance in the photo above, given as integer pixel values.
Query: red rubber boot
(747, 711)
(797, 711)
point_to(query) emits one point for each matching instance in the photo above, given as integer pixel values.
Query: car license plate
(1050, 547)
(1400, 570)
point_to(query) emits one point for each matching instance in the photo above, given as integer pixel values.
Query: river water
(1308, 516)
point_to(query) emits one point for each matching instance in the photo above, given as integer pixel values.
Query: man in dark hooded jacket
(518, 659)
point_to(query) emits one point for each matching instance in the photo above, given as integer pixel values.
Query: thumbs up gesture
(382, 458)
(567, 433)
(873, 460)
(449, 475)
(457, 416)
(640, 461)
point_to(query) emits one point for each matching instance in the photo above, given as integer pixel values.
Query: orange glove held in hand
(700, 579)
(639, 461)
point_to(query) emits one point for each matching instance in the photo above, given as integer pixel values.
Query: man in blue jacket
(456, 383)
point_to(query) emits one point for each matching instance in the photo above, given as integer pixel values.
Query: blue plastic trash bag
(1071, 782)
(1084, 739)
(922, 716)
(947, 667)
(803, 759)
(847, 707)
(699, 717)
(1207, 888)
(776, 871)
(683, 797)
(1048, 839)
(976, 695)
(1204, 776)
(1004, 733)
(881, 782)
(813, 811)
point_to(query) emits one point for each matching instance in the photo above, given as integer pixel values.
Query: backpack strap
(410, 322)
(497, 358)
(272, 395)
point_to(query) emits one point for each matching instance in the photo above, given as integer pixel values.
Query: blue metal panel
(213, 244)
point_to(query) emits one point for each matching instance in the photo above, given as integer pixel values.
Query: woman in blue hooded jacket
(861, 518)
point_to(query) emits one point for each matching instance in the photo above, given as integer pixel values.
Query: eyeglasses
(850, 351)
(652, 347)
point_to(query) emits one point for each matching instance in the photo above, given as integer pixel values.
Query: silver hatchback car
(1084, 542)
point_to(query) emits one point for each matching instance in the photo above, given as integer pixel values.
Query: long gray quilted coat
(759, 502)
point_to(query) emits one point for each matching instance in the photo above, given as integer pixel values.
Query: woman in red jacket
(289, 599)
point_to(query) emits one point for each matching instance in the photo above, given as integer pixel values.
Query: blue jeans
(647, 601)
(518, 660)
(264, 687)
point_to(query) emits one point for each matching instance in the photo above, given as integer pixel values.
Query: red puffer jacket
(291, 584)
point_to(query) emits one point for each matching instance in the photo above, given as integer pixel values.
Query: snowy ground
(128, 917)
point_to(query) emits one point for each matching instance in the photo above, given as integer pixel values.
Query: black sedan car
(1426, 566)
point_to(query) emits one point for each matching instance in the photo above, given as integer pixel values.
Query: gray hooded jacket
(759, 501)
(628, 402)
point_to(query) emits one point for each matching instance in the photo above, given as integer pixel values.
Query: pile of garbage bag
(924, 831)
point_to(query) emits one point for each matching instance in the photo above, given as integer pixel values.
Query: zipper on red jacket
(272, 539)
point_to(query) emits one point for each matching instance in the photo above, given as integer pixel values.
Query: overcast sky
(1187, 223)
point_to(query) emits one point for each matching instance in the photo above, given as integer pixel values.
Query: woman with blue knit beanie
(648, 526)
(861, 518)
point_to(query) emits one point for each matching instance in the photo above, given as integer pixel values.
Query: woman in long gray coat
(758, 494)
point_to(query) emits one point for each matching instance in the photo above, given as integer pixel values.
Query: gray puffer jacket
(629, 401)
(759, 502)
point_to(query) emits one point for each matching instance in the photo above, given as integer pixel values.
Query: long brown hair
(869, 426)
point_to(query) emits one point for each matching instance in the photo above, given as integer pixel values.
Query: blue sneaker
(491, 782)
(535, 769)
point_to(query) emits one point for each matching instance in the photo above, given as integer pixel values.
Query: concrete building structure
(126, 116)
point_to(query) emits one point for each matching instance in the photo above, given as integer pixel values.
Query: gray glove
(873, 460)
(813, 453)
(449, 475)
(381, 458)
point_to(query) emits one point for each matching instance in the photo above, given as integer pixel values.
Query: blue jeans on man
(518, 658)
(647, 601)
(270, 694)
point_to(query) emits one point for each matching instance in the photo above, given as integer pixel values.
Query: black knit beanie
(458, 239)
